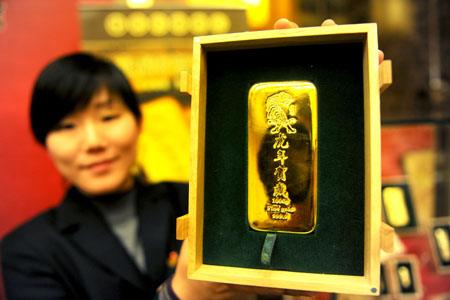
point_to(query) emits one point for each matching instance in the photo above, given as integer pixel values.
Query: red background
(34, 33)
(396, 141)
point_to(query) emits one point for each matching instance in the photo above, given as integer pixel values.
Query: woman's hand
(187, 289)
(286, 24)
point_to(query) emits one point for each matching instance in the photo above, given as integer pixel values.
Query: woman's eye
(109, 117)
(64, 126)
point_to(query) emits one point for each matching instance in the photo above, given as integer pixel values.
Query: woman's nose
(93, 138)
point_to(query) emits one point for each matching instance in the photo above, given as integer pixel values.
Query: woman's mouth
(100, 166)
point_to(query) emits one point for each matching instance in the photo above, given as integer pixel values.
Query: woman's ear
(140, 124)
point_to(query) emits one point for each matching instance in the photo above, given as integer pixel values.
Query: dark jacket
(69, 252)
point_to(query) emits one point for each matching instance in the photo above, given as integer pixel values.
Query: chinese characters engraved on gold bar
(282, 156)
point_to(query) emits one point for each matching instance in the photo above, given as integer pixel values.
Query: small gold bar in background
(443, 243)
(282, 156)
(395, 206)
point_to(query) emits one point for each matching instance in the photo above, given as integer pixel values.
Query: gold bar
(282, 156)
(443, 243)
(405, 277)
(395, 206)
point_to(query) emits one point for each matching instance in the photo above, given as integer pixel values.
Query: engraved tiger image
(277, 108)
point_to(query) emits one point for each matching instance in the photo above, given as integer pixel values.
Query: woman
(111, 236)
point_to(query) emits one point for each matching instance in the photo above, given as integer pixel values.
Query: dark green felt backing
(337, 244)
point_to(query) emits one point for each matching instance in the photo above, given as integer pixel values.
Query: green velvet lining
(337, 244)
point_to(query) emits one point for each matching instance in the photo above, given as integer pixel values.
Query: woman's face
(94, 148)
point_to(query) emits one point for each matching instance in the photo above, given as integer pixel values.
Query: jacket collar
(81, 222)
(156, 228)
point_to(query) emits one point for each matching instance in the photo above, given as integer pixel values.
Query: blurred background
(151, 41)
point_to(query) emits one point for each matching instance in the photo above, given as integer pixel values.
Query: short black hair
(68, 83)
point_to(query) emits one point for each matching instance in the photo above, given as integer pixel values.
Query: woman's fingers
(328, 22)
(284, 24)
(380, 56)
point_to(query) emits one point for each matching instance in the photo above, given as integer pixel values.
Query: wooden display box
(404, 276)
(342, 254)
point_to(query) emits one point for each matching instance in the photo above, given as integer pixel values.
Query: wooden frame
(374, 239)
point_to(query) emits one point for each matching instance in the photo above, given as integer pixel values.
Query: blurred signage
(174, 22)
